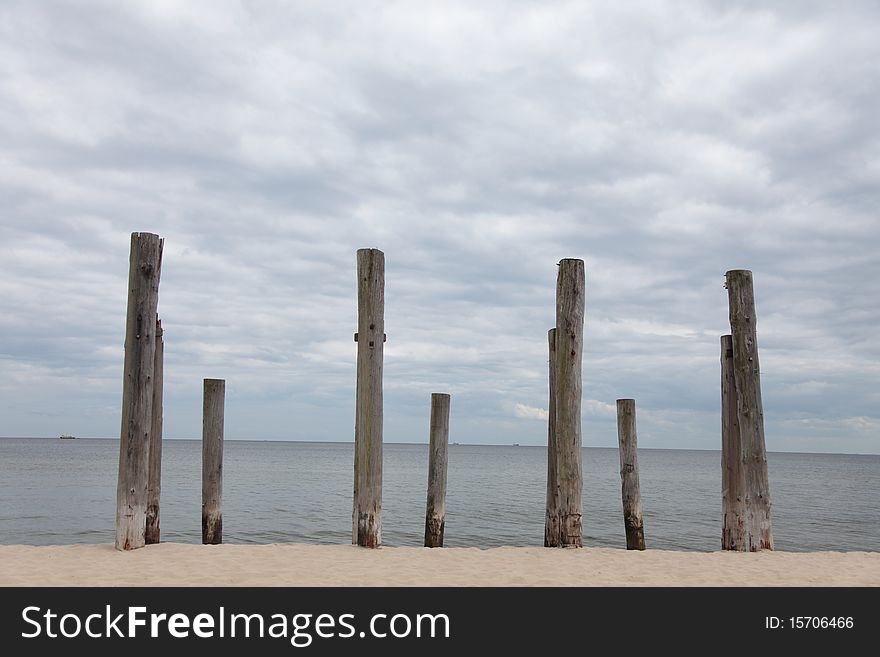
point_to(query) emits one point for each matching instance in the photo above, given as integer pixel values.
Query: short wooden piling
(551, 519)
(732, 482)
(212, 461)
(435, 512)
(367, 498)
(629, 474)
(749, 409)
(145, 261)
(569, 354)
(154, 475)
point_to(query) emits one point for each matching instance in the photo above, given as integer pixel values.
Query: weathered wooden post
(145, 262)
(212, 461)
(749, 409)
(629, 474)
(732, 482)
(569, 353)
(551, 520)
(154, 474)
(367, 498)
(435, 512)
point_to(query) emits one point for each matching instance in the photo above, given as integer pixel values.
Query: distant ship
(67, 436)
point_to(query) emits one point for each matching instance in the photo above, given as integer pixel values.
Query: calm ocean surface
(63, 491)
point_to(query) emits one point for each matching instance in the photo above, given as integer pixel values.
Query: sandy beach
(171, 564)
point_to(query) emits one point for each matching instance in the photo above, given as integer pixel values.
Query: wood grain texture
(551, 516)
(629, 474)
(569, 355)
(145, 260)
(732, 480)
(367, 498)
(749, 409)
(213, 409)
(438, 451)
(152, 533)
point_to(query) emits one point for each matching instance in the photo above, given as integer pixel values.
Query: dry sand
(172, 564)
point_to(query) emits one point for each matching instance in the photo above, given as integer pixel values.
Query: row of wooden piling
(746, 524)
(138, 487)
(745, 487)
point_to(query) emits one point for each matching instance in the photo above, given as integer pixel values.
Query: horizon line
(457, 444)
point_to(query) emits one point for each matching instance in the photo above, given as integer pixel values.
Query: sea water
(64, 491)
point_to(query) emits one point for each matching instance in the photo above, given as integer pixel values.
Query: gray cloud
(476, 145)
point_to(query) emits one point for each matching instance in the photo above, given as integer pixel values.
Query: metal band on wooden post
(367, 498)
(749, 409)
(214, 402)
(435, 511)
(145, 261)
(569, 355)
(629, 474)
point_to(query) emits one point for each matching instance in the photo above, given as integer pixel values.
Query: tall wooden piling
(629, 474)
(435, 512)
(551, 520)
(569, 354)
(145, 261)
(154, 474)
(212, 460)
(749, 409)
(732, 479)
(367, 498)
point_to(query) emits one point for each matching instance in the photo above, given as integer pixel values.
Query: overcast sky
(476, 144)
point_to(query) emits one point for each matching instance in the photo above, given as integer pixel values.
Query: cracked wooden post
(145, 262)
(732, 483)
(367, 498)
(213, 404)
(551, 519)
(154, 474)
(569, 354)
(435, 511)
(629, 474)
(758, 533)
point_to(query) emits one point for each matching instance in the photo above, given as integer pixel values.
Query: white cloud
(601, 409)
(863, 424)
(530, 412)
